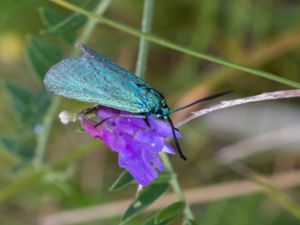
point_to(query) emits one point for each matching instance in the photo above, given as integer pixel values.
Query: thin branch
(42, 138)
(194, 196)
(256, 98)
(141, 64)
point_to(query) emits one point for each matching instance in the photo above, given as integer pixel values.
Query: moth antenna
(203, 100)
(176, 140)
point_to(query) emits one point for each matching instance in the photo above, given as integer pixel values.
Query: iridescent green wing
(94, 78)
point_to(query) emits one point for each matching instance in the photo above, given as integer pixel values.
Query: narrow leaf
(144, 199)
(28, 106)
(169, 213)
(70, 23)
(52, 17)
(122, 181)
(20, 99)
(151, 221)
(164, 177)
(189, 222)
(41, 55)
(16, 147)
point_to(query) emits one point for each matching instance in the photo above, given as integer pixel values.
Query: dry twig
(256, 98)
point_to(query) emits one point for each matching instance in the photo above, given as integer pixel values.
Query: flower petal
(162, 128)
(168, 149)
(149, 140)
(88, 126)
(154, 159)
(142, 171)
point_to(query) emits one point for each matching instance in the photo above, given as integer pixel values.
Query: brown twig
(256, 98)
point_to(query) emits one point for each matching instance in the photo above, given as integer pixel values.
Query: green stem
(43, 137)
(140, 71)
(168, 44)
(91, 23)
(176, 187)
(141, 64)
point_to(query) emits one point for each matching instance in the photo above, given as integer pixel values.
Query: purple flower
(138, 144)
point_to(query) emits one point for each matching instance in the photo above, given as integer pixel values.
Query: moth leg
(147, 122)
(145, 118)
(102, 121)
(176, 140)
(90, 110)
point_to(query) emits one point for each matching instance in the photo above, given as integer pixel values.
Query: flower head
(137, 143)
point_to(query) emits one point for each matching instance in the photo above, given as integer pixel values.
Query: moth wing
(85, 79)
(105, 62)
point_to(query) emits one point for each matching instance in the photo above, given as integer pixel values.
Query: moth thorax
(163, 112)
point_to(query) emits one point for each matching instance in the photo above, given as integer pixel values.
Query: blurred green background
(77, 171)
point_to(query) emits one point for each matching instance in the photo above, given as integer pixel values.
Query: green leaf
(170, 213)
(28, 106)
(122, 181)
(189, 222)
(163, 178)
(7, 158)
(20, 99)
(151, 221)
(17, 147)
(70, 23)
(52, 17)
(41, 55)
(144, 199)
(38, 108)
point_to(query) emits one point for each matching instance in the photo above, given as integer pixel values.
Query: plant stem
(91, 23)
(174, 46)
(140, 71)
(176, 187)
(141, 64)
(43, 137)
